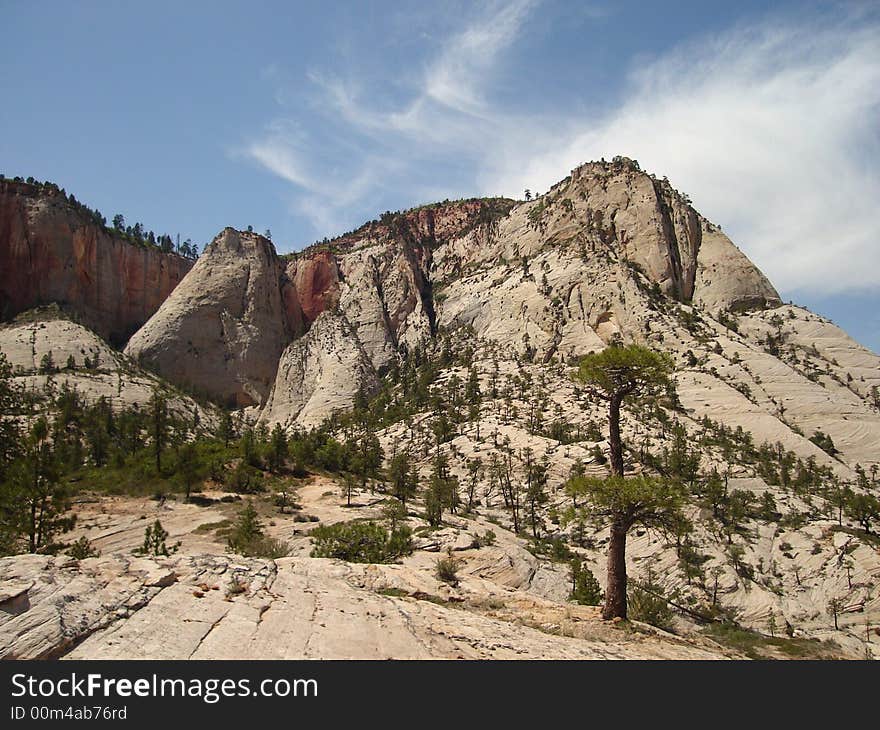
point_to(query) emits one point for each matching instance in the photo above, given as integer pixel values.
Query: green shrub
(824, 442)
(82, 549)
(247, 537)
(646, 603)
(268, 547)
(361, 542)
(447, 568)
(485, 540)
(553, 548)
(244, 479)
(154, 542)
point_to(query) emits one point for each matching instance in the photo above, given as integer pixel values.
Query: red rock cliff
(50, 251)
(315, 275)
(315, 285)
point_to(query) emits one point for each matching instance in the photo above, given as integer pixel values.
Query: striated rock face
(590, 261)
(318, 374)
(726, 279)
(644, 219)
(386, 270)
(562, 275)
(51, 252)
(377, 283)
(224, 328)
(186, 607)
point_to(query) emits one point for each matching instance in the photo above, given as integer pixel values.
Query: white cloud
(772, 130)
(363, 151)
(773, 133)
(455, 79)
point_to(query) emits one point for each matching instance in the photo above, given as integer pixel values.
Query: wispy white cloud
(325, 189)
(364, 149)
(774, 134)
(772, 130)
(455, 79)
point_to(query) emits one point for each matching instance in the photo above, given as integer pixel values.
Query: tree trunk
(615, 589)
(32, 537)
(614, 436)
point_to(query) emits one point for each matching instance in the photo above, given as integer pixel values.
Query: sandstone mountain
(609, 253)
(555, 277)
(773, 402)
(52, 252)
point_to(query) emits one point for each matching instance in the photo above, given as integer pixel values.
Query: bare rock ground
(224, 607)
(203, 603)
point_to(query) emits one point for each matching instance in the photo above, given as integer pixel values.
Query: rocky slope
(216, 607)
(202, 604)
(51, 252)
(84, 362)
(319, 373)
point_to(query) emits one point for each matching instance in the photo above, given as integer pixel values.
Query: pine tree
(10, 396)
(472, 388)
(403, 477)
(38, 500)
(535, 473)
(247, 530)
(188, 467)
(626, 502)
(834, 608)
(226, 430)
(475, 472)
(47, 364)
(155, 545)
(613, 375)
(863, 509)
(367, 457)
(158, 411)
(248, 445)
(585, 589)
(278, 448)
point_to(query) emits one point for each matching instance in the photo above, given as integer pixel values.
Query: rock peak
(233, 240)
(224, 328)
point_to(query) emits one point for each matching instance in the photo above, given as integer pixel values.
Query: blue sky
(309, 118)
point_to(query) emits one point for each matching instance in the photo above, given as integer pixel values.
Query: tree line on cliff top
(136, 234)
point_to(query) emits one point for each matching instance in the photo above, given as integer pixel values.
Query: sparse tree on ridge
(616, 373)
(613, 375)
(278, 448)
(403, 477)
(187, 467)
